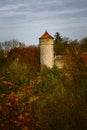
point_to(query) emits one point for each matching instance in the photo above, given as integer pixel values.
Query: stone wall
(59, 61)
(47, 52)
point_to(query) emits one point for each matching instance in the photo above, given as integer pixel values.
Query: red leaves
(84, 57)
(15, 114)
(13, 97)
(7, 83)
(29, 55)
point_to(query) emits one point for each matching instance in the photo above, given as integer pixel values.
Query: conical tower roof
(46, 35)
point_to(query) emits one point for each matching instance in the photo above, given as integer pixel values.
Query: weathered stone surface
(46, 52)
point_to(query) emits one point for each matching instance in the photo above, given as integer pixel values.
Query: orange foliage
(84, 57)
(15, 113)
(29, 55)
(7, 83)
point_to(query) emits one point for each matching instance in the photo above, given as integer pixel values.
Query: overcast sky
(26, 20)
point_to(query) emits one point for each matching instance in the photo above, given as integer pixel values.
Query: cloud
(11, 7)
(40, 10)
(25, 16)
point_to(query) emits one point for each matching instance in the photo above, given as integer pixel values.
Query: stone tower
(46, 50)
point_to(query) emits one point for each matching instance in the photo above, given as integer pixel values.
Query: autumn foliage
(51, 99)
(29, 55)
(15, 113)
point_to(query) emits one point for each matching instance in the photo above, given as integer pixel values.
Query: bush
(58, 107)
(50, 78)
(15, 113)
(17, 73)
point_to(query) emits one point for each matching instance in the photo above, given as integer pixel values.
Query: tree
(28, 55)
(75, 70)
(9, 45)
(23, 65)
(3, 58)
(60, 44)
(3, 61)
(57, 38)
(83, 45)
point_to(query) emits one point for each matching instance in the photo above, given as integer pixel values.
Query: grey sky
(26, 20)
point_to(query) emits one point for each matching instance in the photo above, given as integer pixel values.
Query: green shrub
(17, 73)
(58, 107)
(50, 78)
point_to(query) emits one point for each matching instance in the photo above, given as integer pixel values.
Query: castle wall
(59, 61)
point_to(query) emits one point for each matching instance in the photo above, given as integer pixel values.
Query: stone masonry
(46, 50)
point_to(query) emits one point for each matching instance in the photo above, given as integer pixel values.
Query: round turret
(46, 50)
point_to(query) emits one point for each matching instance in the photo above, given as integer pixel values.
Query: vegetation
(50, 99)
(60, 44)
(9, 45)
